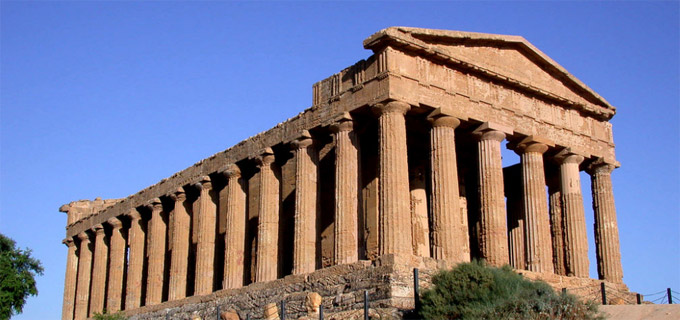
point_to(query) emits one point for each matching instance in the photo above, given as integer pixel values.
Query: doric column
(449, 238)
(574, 222)
(136, 236)
(101, 253)
(207, 229)
(84, 276)
(179, 259)
(394, 215)
(234, 243)
(268, 220)
(304, 243)
(70, 280)
(606, 226)
(537, 241)
(493, 234)
(156, 253)
(346, 191)
(114, 295)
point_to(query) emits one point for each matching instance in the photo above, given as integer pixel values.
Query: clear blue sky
(106, 98)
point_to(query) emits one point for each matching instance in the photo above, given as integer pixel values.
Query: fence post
(639, 298)
(670, 295)
(218, 312)
(365, 304)
(604, 293)
(416, 289)
(321, 312)
(283, 309)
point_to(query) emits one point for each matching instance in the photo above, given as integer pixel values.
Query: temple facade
(399, 156)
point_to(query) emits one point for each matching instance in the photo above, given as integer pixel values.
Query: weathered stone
(230, 314)
(70, 281)
(114, 295)
(156, 253)
(271, 312)
(234, 245)
(391, 190)
(304, 238)
(133, 293)
(268, 220)
(179, 259)
(346, 191)
(312, 302)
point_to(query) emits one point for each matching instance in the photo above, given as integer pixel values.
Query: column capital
(344, 122)
(532, 144)
(155, 204)
(441, 118)
(115, 223)
(265, 158)
(567, 156)
(600, 165)
(391, 106)
(178, 195)
(134, 214)
(69, 242)
(231, 170)
(203, 183)
(491, 131)
(99, 228)
(303, 141)
(83, 236)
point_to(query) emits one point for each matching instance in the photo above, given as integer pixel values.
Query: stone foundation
(388, 280)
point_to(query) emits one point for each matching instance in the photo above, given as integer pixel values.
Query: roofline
(411, 37)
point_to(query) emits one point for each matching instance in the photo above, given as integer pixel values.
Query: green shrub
(476, 291)
(108, 316)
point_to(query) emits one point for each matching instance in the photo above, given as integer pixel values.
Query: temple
(396, 163)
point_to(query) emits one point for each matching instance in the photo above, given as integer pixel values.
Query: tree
(17, 277)
(476, 291)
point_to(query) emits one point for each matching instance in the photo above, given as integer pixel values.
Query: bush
(476, 291)
(108, 316)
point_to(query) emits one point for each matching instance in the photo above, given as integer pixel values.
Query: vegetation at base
(108, 316)
(17, 277)
(477, 291)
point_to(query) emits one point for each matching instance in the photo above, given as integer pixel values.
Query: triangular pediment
(510, 59)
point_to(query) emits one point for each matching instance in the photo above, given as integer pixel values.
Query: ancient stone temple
(396, 164)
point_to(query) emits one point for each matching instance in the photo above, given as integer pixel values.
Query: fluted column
(575, 237)
(179, 259)
(70, 280)
(606, 226)
(84, 276)
(156, 253)
(136, 238)
(537, 241)
(234, 245)
(114, 295)
(449, 233)
(493, 234)
(346, 191)
(268, 220)
(394, 215)
(207, 229)
(101, 253)
(304, 243)
(557, 233)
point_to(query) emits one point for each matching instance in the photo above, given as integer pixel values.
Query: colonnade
(165, 249)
